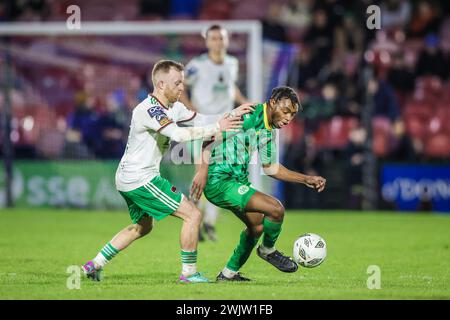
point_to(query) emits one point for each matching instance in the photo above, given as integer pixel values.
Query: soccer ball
(310, 250)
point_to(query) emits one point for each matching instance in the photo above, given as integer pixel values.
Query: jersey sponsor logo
(158, 113)
(243, 189)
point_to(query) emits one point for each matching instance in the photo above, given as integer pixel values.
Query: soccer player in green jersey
(227, 185)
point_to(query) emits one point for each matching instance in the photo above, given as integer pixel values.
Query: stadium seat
(444, 105)
(381, 124)
(416, 126)
(250, 9)
(339, 131)
(321, 135)
(295, 131)
(435, 125)
(438, 146)
(381, 136)
(422, 109)
(432, 85)
(215, 10)
(380, 144)
(335, 132)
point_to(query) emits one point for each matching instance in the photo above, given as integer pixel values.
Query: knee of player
(278, 210)
(142, 230)
(195, 215)
(145, 230)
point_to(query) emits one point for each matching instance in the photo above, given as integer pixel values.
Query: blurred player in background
(148, 195)
(211, 79)
(227, 184)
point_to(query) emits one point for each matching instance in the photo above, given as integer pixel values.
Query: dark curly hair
(282, 92)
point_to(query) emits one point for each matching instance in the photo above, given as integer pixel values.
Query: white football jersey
(212, 85)
(146, 145)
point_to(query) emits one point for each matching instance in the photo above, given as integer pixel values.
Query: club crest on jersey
(243, 189)
(158, 113)
(173, 189)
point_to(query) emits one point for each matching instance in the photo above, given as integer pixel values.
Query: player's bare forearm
(279, 172)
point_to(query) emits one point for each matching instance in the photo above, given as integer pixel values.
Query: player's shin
(240, 254)
(189, 241)
(271, 231)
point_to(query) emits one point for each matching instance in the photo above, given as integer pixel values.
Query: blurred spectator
(296, 13)
(404, 147)
(401, 146)
(385, 101)
(111, 127)
(184, 9)
(431, 59)
(400, 76)
(306, 70)
(425, 20)
(27, 10)
(319, 38)
(271, 24)
(348, 37)
(215, 10)
(3, 13)
(139, 89)
(354, 155)
(82, 128)
(343, 73)
(395, 13)
(154, 9)
(319, 106)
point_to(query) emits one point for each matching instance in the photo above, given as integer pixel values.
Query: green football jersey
(231, 157)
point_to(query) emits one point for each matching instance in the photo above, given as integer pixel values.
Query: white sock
(99, 261)
(188, 269)
(265, 251)
(228, 273)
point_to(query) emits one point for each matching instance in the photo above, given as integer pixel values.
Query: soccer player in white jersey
(148, 195)
(211, 78)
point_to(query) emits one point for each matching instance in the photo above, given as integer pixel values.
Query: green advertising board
(77, 184)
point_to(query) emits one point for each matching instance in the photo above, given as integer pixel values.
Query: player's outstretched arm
(183, 134)
(280, 172)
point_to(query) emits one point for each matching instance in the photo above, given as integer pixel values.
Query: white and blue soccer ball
(310, 250)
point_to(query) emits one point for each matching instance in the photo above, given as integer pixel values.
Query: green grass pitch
(411, 250)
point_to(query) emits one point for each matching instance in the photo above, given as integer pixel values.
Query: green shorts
(229, 194)
(157, 199)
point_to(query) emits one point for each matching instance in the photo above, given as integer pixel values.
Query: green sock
(242, 251)
(188, 256)
(271, 232)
